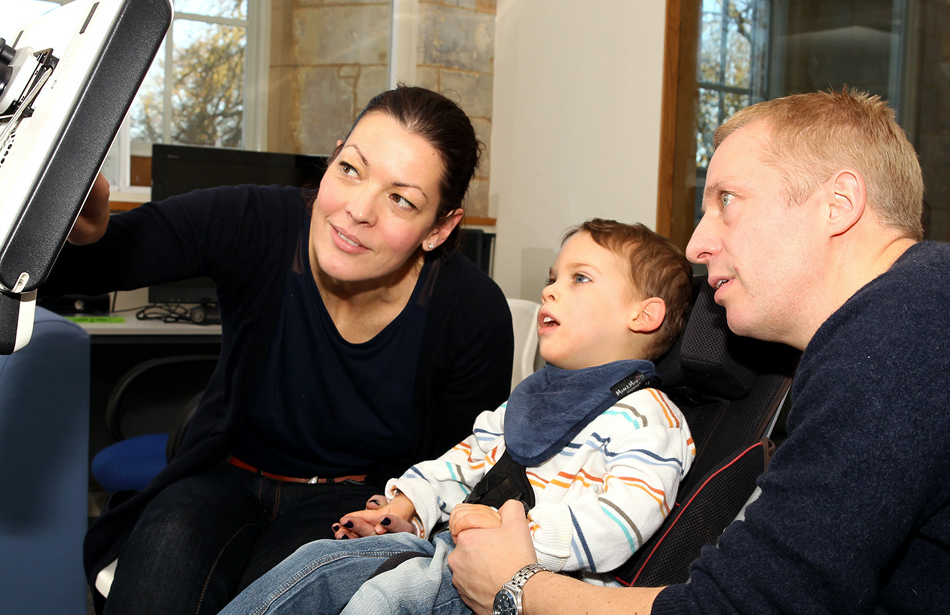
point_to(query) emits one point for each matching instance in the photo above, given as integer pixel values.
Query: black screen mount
(67, 81)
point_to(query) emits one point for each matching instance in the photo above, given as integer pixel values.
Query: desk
(135, 331)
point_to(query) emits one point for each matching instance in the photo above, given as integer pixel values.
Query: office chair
(157, 397)
(730, 390)
(524, 317)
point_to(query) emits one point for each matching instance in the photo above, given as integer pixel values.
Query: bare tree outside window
(732, 64)
(194, 92)
(200, 101)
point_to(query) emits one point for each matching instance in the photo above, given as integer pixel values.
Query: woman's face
(377, 203)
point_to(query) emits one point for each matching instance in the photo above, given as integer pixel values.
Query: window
(731, 72)
(207, 85)
(743, 51)
(196, 91)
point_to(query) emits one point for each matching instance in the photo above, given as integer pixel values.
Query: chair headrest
(708, 357)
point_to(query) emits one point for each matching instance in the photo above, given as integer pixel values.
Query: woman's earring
(431, 247)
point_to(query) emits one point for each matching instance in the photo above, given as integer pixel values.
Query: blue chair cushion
(131, 463)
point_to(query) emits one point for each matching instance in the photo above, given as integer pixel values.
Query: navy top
(854, 514)
(327, 406)
(247, 238)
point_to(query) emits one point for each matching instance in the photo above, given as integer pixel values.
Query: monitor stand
(67, 81)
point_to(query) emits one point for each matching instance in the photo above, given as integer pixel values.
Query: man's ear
(848, 200)
(648, 315)
(442, 229)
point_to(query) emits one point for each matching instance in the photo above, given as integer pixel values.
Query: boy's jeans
(330, 576)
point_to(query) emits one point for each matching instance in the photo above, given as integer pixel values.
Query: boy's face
(585, 319)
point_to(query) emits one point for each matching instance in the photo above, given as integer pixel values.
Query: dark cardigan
(854, 515)
(245, 238)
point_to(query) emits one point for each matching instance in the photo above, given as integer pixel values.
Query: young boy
(602, 452)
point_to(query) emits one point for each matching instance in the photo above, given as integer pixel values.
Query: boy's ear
(648, 315)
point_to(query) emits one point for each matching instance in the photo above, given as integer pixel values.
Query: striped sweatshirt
(597, 500)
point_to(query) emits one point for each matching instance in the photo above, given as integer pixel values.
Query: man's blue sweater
(853, 516)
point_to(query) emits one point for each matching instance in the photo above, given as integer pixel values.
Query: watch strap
(516, 585)
(521, 577)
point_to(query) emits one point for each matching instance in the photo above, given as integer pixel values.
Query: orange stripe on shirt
(661, 399)
(539, 481)
(633, 481)
(583, 477)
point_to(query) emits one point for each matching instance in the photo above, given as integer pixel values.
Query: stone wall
(329, 57)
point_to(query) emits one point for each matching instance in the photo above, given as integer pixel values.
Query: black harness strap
(507, 480)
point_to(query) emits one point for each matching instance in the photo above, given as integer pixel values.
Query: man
(811, 235)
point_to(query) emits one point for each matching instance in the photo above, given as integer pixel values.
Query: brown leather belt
(316, 480)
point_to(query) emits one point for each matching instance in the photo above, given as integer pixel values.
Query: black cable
(165, 312)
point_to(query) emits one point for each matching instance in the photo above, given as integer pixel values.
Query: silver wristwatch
(508, 598)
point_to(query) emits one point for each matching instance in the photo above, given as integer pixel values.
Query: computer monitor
(179, 169)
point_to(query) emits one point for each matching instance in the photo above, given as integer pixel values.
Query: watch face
(504, 603)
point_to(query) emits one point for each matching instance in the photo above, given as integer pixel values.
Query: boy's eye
(549, 281)
(725, 199)
(580, 278)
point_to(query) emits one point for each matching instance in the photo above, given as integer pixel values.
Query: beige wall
(565, 92)
(329, 57)
(576, 125)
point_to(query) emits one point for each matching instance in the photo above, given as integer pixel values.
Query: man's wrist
(534, 585)
(509, 600)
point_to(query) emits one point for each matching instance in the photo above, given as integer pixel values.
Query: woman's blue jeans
(205, 538)
(336, 576)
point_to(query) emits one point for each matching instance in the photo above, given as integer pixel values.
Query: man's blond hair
(816, 134)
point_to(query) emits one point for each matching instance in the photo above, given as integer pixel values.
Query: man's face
(763, 255)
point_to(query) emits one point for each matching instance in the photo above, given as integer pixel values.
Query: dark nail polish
(344, 537)
(336, 527)
(348, 525)
(386, 521)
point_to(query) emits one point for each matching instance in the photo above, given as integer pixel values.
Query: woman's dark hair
(444, 125)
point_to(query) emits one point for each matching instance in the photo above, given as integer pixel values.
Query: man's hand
(378, 518)
(486, 559)
(94, 215)
(473, 517)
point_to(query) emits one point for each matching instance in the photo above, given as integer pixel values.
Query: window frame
(257, 61)
(256, 75)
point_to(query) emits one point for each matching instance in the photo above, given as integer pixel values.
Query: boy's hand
(378, 518)
(473, 516)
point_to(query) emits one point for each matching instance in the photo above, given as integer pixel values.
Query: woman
(355, 342)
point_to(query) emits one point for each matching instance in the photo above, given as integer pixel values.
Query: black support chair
(731, 390)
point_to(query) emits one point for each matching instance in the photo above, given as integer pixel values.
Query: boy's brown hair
(657, 269)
